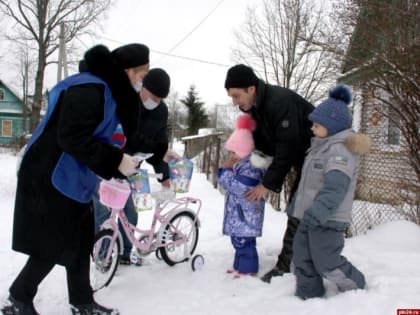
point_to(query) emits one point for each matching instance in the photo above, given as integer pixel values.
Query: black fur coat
(47, 224)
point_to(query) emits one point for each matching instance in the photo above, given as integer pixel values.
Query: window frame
(3, 128)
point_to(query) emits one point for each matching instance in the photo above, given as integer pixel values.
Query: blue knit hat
(333, 113)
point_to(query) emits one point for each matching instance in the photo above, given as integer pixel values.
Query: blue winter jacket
(241, 217)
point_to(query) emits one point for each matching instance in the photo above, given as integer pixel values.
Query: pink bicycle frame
(180, 204)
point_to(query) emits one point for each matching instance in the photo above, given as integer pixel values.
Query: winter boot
(92, 309)
(124, 260)
(275, 272)
(132, 260)
(241, 274)
(15, 307)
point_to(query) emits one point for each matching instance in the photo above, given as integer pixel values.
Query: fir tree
(197, 117)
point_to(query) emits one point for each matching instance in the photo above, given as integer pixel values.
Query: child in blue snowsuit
(243, 220)
(324, 198)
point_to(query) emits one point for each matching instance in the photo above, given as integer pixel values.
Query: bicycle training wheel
(197, 262)
(102, 271)
(181, 225)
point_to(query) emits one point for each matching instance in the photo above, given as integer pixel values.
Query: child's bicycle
(174, 240)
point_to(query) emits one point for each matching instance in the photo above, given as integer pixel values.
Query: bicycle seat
(163, 195)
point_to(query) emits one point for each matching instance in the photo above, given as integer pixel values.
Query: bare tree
(386, 54)
(279, 44)
(383, 60)
(39, 21)
(173, 110)
(225, 116)
(25, 62)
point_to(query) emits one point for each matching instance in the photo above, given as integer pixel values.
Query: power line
(165, 54)
(195, 27)
(175, 56)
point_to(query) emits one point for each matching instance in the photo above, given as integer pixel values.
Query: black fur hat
(157, 81)
(99, 62)
(131, 55)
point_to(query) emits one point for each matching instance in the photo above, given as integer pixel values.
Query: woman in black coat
(53, 221)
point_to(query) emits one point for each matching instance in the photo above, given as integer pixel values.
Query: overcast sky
(164, 24)
(198, 35)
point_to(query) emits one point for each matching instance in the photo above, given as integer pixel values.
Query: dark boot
(283, 261)
(128, 261)
(92, 309)
(275, 272)
(15, 307)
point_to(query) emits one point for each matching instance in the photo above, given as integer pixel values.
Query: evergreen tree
(197, 117)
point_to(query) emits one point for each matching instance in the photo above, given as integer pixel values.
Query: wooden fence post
(216, 161)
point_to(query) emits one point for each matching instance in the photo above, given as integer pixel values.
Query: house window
(1, 94)
(394, 132)
(6, 128)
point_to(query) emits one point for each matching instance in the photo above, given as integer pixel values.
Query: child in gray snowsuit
(324, 198)
(242, 220)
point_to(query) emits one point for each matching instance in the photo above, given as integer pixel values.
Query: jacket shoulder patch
(341, 159)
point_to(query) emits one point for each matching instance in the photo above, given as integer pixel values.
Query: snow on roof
(11, 90)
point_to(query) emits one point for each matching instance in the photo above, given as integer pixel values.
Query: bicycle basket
(113, 194)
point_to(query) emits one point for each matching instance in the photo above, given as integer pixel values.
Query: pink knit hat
(241, 141)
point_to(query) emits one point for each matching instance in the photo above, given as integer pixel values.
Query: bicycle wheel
(180, 225)
(102, 271)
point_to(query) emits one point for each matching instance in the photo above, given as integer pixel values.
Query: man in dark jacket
(283, 132)
(53, 219)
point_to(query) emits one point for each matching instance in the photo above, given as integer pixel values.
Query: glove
(128, 165)
(170, 155)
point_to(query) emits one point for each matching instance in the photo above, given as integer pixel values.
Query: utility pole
(62, 55)
(25, 93)
(215, 116)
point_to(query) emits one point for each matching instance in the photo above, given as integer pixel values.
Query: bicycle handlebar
(140, 157)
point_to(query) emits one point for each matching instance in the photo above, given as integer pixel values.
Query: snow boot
(92, 309)
(275, 272)
(15, 307)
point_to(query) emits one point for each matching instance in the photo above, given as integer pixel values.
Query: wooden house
(12, 116)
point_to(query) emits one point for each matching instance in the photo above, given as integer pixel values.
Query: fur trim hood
(358, 143)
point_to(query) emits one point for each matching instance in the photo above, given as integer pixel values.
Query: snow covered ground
(389, 256)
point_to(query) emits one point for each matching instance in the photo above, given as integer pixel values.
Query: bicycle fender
(106, 226)
(173, 214)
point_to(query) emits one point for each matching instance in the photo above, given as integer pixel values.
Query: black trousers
(285, 257)
(25, 286)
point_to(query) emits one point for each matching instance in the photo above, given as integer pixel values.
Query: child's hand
(228, 163)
